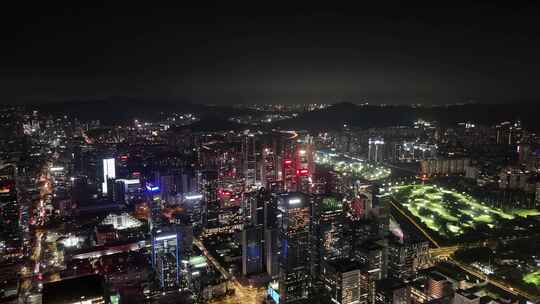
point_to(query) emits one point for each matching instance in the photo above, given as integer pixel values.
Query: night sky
(383, 54)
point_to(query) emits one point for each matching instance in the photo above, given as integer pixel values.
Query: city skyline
(263, 154)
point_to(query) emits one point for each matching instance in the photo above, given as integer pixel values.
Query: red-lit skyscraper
(298, 168)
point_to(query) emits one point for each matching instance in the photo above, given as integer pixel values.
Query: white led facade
(109, 171)
(294, 201)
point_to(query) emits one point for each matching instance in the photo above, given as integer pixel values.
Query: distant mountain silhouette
(212, 124)
(334, 117)
(124, 109)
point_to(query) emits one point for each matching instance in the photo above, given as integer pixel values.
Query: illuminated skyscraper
(271, 237)
(109, 172)
(269, 168)
(348, 282)
(375, 149)
(327, 240)
(10, 232)
(166, 257)
(252, 237)
(252, 249)
(437, 286)
(208, 185)
(407, 257)
(392, 291)
(154, 201)
(294, 234)
(249, 159)
(373, 254)
(305, 167)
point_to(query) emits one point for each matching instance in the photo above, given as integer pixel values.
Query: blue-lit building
(167, 249)
(154, 200)
(252, 237)
(252, 249)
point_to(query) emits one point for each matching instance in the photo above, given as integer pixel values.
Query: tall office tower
(168, 247)
(194, 208)
(400, 260)
(119, 191)
(305, 167)
(348, 281)
(327, 239)
(154, 201)
(269, 168)
(122, 165)
(392, 291)
(109, 172)
(359, 206)
(406, 258)
(10, 232)
(508, 133)
(364, 197)
(182, 223)
(408, 151)
(373, 254)
(208, 185)
(248, 202)
(252, 249)
(375, 149)
(253, 207)
(272, 244)
(465, 297)
(249, 159)
(359, 230)
(288, 174)
(252, 237)
(186, 181)
(167, 186)
(272, 248)
(287, 150)
(294, 233)
(437, 286)
(80, 191)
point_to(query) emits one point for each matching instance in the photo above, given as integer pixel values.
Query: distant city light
(71, 241)
(193, 197)
(152, 188)
(294, 201)
(129, 181)
(166, 237)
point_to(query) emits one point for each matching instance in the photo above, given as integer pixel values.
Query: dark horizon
(227, 55)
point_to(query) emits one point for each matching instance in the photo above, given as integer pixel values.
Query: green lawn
(449, 212)
(360, 169)
(532, 278)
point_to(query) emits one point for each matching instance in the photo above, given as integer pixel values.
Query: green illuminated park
(352, 166)
(532, 278)
(450, 213)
